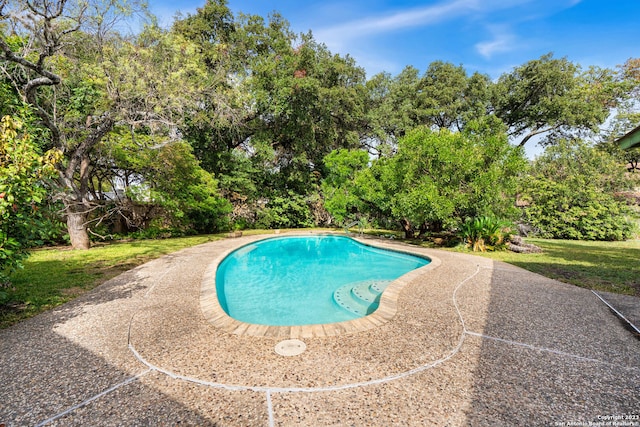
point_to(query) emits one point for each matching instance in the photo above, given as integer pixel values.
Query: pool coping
(386, 311)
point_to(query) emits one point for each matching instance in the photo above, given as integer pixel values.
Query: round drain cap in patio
(290, 347)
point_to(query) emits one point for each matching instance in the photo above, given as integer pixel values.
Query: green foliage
(392, 105)
(571, 194)
(23, 172)
(550, 95)
(438, 178)
(187, 193)
(341, 197)
(211, 28)
(288, 103)
(445, 97)
(481, 234)
(284, 125)
(310, 102)
(289, 210)
(9, 99)
(449, 98)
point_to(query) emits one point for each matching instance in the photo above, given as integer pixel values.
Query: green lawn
(54, 276)
(605, 266)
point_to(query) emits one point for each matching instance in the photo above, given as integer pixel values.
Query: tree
(289, 103)
(627, 115)
(571, 194)
(629, 109)
(187, 193)
(24, 171)
(226, 116)
(392, 109)
(40, 32)
(83, 79)
(441, 178)
(443, 98)
(435, 180)
(449, 98)
(553, 96)
(310, 102)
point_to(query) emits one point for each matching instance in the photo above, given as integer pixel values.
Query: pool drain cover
(290, 347)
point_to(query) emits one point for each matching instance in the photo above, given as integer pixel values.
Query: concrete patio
(473, 342)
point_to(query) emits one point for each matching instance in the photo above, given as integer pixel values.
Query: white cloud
(335, 35)
(503, 41)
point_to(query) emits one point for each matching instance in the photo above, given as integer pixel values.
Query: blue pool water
(305, 280)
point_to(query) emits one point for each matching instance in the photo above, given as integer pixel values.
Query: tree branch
(534, 133)
(104, 127)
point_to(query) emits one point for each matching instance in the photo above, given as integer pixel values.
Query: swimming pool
(306, 280)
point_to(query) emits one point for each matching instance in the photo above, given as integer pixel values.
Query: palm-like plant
(483, 233)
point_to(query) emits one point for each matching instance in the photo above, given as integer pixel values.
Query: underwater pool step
(364, 292)
(369, 290)
(360, 298)
(380, 285)
(345, 299)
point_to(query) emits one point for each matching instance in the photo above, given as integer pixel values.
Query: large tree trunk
(77, 226)
(75, 179)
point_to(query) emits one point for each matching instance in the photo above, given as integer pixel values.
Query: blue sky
(489, 36)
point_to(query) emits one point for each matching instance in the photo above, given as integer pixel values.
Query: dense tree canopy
(550, 95)
(445, 97)
(84, 80)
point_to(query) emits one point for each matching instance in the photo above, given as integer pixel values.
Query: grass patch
(604, 266)
(53, 276)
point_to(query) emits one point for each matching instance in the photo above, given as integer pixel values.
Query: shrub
(432, 182)
(187, 196)
(23, 171)
(483, 233)
(571, 194)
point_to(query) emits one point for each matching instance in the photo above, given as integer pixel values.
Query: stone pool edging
(386, 311)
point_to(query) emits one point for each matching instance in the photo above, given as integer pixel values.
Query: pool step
(360, 298)
(379, 285)
(345, 299)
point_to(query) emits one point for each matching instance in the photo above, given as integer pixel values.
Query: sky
(487, 36)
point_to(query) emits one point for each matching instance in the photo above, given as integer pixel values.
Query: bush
(23, 171)
(187, 196)
(432, 182)
(571, 194)
(483, 233)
